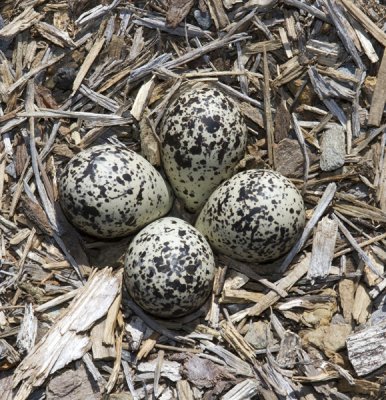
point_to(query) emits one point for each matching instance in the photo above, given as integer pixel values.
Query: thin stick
(25, 77)
(2, 172)
(27, 248)
(267, 110)
(129, 380)
(365, 21)
(215, 74)
(324, 202)
(241, 96)
(364, 257)
(302, 143)
(47, 206)
(338, 20)
(157, 372)
(308, 9)
(178, 349)
(272, 297)
(361, 244)
(251, 273)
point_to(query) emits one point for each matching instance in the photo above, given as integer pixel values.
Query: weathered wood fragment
(367, 349)
(323, 248)
(379, 96)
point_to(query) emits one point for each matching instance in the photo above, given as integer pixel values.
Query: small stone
(289, 159)
(379, 314)
(338, 319)
(203, 19)
(257, 335)
(359, 190)
(72, 384)
(65, 77)
(333, 149)
(10, 169)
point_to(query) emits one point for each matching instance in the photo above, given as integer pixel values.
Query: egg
(169, 268)
(203, 136)
(255, 216)
(108, 191)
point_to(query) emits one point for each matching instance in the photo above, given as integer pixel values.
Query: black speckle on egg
(107, 191)
(255, 216)
(203, 137)
(179, 262)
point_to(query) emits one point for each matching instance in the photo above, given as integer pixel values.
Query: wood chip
(367, 23)
(22, 22)
(142, 99)
(218, 13)
(177, 11)
(366, 349)
(308, 81)
(362, 302)
(66, 340)
(184, 391)
(327, 197)
(91, 56)
(272, 297)
(323, 248)
(244, 390)
(379, 96)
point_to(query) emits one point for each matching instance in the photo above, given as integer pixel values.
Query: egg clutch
(254, 216)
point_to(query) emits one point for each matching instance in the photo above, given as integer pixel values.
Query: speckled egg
(255, 216)
(169, 268)
(203, 137)
(108, 191)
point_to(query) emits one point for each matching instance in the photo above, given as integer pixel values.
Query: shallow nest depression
(310, 79)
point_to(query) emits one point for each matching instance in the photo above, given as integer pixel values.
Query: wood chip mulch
(310, 79)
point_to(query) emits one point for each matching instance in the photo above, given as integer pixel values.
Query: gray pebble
(257, 335)
(379, 314)
(10, 169)
(359, 190)
(333, 149)
(203, 19)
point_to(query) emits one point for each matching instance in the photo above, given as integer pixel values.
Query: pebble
(359, 190)
(65, 77)
(257, 335)
(333, 149)
(379, 314)
(203, 19)
(289, 159)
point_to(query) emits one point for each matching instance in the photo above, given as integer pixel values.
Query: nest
(310, 80)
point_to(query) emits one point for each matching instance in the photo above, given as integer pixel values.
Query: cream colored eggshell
(108, 191)
(169, 268)
(255, 216)
(203, 137)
